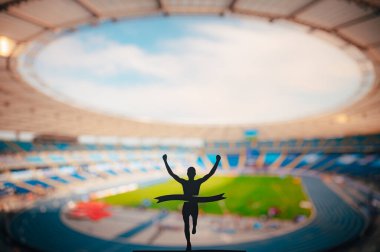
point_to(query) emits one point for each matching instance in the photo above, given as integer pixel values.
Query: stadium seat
(35, 182)
(233, 160)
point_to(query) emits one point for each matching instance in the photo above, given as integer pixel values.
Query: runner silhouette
(190, 196)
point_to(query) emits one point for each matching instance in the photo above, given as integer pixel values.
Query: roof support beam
(29, 19)
(7, 4)
(162, 8)
(268, 16)
(374, 44)
(232, 4)
(357, 20)
(88, 7)
(160, 4)
(303, 8)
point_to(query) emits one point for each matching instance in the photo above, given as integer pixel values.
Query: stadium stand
(358, 158)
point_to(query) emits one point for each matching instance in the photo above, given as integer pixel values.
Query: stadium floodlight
(6, 46)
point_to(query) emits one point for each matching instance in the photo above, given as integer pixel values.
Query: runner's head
(191, 172)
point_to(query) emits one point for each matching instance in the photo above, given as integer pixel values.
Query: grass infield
(246, 196)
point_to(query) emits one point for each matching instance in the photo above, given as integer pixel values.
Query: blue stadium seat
(212, 158)
(253, 154)
(25, 146)
(111, 172)
(271, 157)
(35, 182)
(59, 179)
(288, 159)
(15, 188)
(34, 159)
(113, 156)
(233, 160)
(200, 163)
(78, 176)
(95, 157)
(143, 169)
(308, 159)
(4, 147)
(90, 146)
(57, 158)
(62, 146)
(324, 160)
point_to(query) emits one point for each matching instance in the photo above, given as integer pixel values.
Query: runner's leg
(194, 215)
(186, 216)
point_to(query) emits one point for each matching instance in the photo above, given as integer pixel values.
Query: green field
(246, 196)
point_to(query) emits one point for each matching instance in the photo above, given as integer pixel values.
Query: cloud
(223, 73)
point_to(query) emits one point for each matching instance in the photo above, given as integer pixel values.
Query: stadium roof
(351, 25)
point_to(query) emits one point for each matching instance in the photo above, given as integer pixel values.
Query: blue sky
(209, 70)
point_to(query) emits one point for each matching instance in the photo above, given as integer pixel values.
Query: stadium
(93, 93)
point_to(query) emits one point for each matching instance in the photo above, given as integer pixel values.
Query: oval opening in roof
(199, 70)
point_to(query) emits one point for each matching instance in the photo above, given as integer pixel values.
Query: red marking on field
(89, 210)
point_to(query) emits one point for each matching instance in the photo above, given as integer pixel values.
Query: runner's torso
(191, 187)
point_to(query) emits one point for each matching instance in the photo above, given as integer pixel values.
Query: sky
(199, 70)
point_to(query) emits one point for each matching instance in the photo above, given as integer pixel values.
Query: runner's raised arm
(207, 176)
(171, 173)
